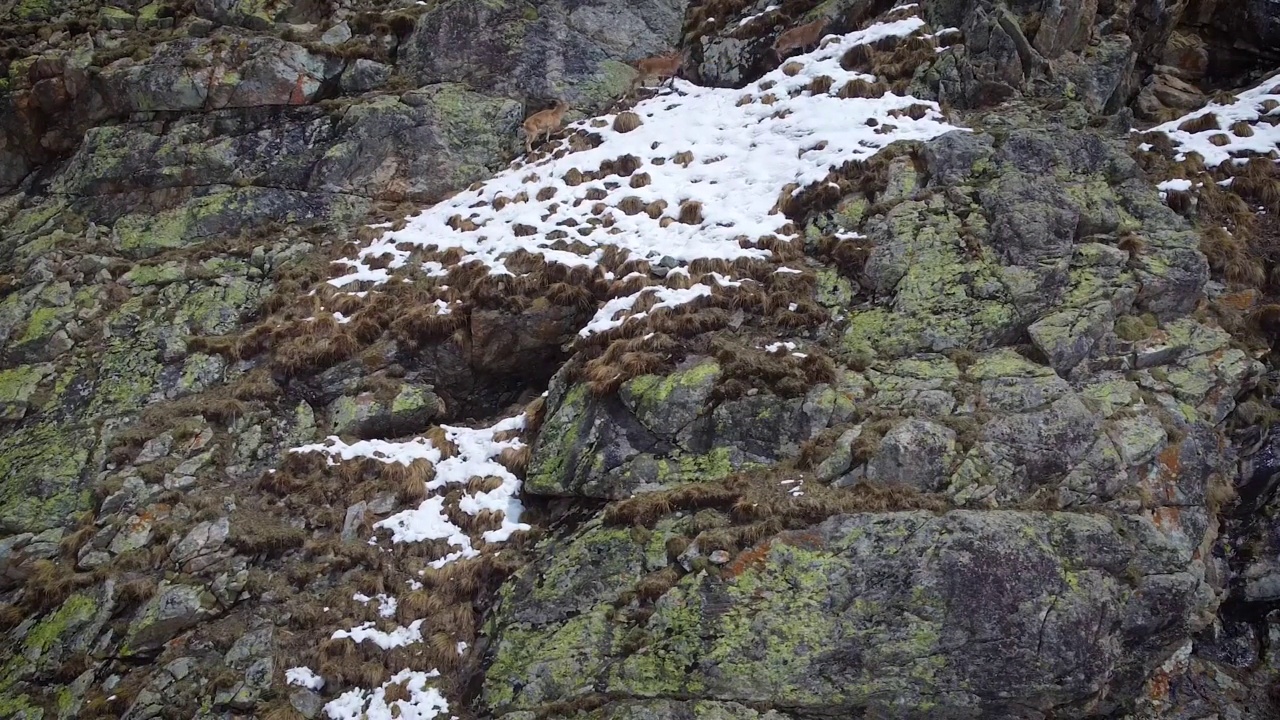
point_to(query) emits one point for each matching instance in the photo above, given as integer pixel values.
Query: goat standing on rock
(801, 37)
(661, 67)
(544, 122)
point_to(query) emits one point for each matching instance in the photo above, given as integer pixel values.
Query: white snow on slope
(1247, 108)
(304, 676)
(399, 637)
(424, 703)
(386, 604)
(743, 157)
(476, 456)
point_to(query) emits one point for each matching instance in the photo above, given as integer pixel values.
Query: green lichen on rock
(41, 470)
(33, 10)
(910, 587)
(612, 79)
(470, 120)
(651, 395)
(588, 573)
(144, 275)
(44, 322)
(76, 610)
(17, 385)
(1132, 328)
(834, 291)
(554, 454)
(942, 299)
(127, 373)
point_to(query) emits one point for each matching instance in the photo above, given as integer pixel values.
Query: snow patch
(386, 603)
(1248, 108)
(303, 676)
(399, 637)
(424, 703)
(746, 145)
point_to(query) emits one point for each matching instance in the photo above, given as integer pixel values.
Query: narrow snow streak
(399, 637)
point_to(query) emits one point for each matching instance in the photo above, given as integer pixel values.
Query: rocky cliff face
(926, 373)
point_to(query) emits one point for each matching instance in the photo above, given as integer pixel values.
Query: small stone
(355, 516)
(719, 557)
(689, 555)
(382, 504)
(364, 75)
(124, 498)
(112, 18)
(44, 545)
(155, 448)
(136, 533)
(307, 702)
(173, 609)
(915, 453)
(195, 551)
(9, 546)
(841, 458)
(337, 34)
(93, 559)
(199, 28)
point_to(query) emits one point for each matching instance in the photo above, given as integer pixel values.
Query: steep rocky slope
(924, 374)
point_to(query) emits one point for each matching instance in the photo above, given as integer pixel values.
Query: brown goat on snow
(801, 37)
(662, 67)
(542, 123)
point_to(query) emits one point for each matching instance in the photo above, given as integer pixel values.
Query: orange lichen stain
(1158, 688)
(751, 558)
(1243, 300)
(805, 539)
(1167, 519)
(298, 96)
(1170, 460)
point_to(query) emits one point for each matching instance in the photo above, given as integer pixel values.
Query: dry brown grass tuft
(282, 709)
(516, 459)
(535, 413)
(690, 212)
(626, 122)
(631, 205)
(134, 592)
(1242, 129)
(50, 583)
(1132, 243)
(821, 85)
(11, 616)
(656, 584)
(857, 58)
(255, 532)
(859, 88)
(1208, 121)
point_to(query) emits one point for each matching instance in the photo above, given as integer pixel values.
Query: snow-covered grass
(398, 637)
(731, 152)
(386, 604)
(477, 450)
(304, 677)
(424, 703)
(1249, 108)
